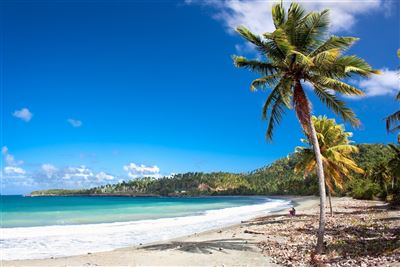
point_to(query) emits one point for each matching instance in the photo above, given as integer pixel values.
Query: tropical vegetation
(299, 51)
(278, 178)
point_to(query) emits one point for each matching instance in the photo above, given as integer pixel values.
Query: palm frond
(315, 25)
(337, 86)
(276, 105)
(278, 15)
(327, 57)
(392, 120)
(263, 82)
(336, 105)
(263, 68)
(355, 65)
(299, 58)
(278, 40)
(334, 42)
(268, 48)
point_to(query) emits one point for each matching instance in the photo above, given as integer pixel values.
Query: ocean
(44, 227)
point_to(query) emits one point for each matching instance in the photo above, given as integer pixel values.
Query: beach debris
(359, 234)
(247, 231)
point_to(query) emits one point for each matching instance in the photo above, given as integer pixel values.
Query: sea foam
(67, 240)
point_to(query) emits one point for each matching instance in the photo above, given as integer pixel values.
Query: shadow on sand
(205, 247)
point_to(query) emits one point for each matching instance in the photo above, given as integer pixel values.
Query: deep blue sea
(42, 227)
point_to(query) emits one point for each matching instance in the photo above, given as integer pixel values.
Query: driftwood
(253, 232)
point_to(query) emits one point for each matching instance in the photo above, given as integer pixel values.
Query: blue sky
(98, 91)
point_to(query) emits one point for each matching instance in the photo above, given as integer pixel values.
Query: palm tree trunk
(330, 201)
(321, 184)
(303, 112)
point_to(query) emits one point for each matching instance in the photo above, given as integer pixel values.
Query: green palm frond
(327, 57)
(277, 112)
(355, 65)
(392, 120)
(337, 86)
(335, 42)
(278, 15)
(315, 24)
(276, 105)
(279, 41)
(268, 48)
(296, 57)
(263, 82)
(251, 37)
(263, 68)
(336, 105)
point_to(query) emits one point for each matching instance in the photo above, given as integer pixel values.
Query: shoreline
(225, 238)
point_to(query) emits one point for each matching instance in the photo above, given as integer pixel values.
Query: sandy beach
(257, 242)
(228, 246)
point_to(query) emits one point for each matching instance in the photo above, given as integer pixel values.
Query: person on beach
(292, 212)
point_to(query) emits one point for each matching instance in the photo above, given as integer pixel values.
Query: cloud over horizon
(12, 166)
(136, 171)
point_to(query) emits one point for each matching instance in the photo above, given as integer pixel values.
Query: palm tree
(394, 165)
(393, 120)
(299, 51)
(336, 152)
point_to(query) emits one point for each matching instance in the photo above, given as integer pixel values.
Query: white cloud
(23, 114)
(135, 171)
(387, 83)
(13, 170)
(75, 123)
(49, 170)
(256, 15)
(49, 176)
(9, 159)
(78, 172)
(102, 176)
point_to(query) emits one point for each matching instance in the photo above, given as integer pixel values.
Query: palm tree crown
(300, 51)
(336, 151)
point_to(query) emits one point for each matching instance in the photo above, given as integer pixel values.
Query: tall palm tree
(393, 120)
(336, 152)
(300, 51)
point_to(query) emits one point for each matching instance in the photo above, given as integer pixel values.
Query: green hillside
(277, 178)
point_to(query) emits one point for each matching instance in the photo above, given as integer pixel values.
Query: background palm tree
(394, 166)
(336, 152)
(393, 120)
(299, 51)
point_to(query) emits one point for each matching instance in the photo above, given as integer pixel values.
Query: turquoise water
(19, 211)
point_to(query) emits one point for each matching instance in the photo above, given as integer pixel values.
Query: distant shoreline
(92, 195)
(153, 195)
